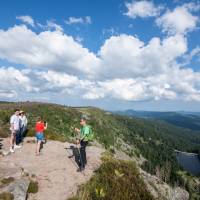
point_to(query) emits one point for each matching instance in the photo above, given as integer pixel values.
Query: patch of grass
(33, 187)
(116, 180)
(6, 181)
(6, 196)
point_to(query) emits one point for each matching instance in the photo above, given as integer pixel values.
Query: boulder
(19, 189)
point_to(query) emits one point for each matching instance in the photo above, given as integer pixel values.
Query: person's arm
(12, 124)
(26, 121)
(77, 130)
(45, 126)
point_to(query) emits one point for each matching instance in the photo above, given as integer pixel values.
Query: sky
(113, 54)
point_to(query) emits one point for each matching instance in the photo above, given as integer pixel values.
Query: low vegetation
(115, 179)
(6, 181)
(6, 196)
(33, 187)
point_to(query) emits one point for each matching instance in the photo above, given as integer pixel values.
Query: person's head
(21, 112)
(16, 111)
(39, 118)
(83, 121)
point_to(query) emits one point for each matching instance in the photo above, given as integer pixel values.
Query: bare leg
(38, 147)
(12, 140)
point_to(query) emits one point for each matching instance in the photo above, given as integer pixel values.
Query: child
(39, 128)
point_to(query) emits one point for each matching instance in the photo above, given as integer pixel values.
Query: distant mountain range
(190, 120)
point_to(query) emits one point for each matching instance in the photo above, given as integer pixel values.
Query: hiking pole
(80, 157)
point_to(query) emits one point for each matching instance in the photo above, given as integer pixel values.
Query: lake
(189, 161)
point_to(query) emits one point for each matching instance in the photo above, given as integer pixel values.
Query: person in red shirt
(39, 128)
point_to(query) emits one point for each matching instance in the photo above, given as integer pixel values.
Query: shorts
(39, 136)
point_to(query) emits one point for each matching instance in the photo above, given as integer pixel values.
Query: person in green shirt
(83, 133)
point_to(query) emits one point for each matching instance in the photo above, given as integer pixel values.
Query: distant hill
(190, 120)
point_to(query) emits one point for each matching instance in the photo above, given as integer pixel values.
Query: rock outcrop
(55, 173)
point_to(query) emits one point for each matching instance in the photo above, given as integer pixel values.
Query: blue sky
(113, 54)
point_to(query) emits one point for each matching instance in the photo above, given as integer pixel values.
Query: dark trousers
(18, 137)
(83, 158)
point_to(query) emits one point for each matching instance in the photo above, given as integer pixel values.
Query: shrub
(6, 181)
(115, 180)
(6, 196)
(33, 187)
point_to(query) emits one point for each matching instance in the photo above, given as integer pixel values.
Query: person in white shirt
(14, 127)
(23, 126)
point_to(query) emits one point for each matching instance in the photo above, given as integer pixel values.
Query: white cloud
(79, 39)
(26, 19)
(110, 31)
(142, 9)
(79, 20)
(48, 49)
(88, 20)
(126, 56)
(191, 55)
(13, 81)
(53, 25)
(125, 67)
(178, 21)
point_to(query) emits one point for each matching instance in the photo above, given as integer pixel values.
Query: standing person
(15, 128)
(83, 132)
(39, 128)
(23, 124)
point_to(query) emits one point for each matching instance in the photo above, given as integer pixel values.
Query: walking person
(15, 128)
(83, 132)
(39, 128)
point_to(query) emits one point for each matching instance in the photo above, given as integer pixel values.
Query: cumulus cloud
(126, 56)
(125, 67)
(79, 20)
(26, 19)
(14, 81)
(180, 20)
(157, 87)
(142, 9)
(47, 49)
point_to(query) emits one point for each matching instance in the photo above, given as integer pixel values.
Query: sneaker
(12, 150)
(17, 147)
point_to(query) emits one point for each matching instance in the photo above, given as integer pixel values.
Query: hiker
(15, 128)
(23, 126)
(39, 128)
(83, 132)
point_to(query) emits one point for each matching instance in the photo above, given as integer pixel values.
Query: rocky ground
(55, 173)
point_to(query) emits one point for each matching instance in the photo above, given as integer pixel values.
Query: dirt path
(55, 172)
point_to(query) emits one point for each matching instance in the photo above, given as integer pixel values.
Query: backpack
(90, 136)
